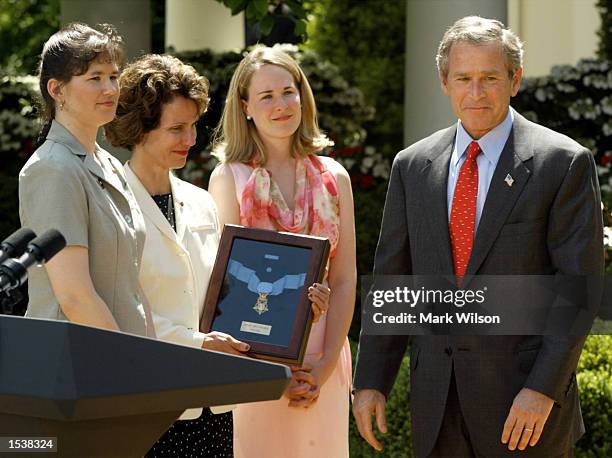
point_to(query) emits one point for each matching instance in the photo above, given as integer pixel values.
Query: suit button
(448, 351)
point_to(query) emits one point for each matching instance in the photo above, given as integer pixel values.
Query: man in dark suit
(494, 194)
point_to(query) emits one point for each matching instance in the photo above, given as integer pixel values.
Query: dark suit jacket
(548, 222)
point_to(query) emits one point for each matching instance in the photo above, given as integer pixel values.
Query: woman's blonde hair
(236, 138)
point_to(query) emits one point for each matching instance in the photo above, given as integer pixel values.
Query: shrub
(24, 27)
(397, 442)
(368, 214)
(18, 128)
(366, 40)
(594, 375)
(595, 383)
(605, 33)
(577, 101)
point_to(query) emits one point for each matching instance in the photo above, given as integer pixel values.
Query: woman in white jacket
(160, 102)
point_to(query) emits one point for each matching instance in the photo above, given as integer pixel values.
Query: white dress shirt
(491, 144)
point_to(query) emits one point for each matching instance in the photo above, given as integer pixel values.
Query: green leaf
(237, 6)
(251, 12)
(296, 8)
(266, 24)
(300, 27)
(261, 6)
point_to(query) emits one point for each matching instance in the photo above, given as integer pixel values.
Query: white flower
(567, 88)
(564, 73)
(381, 170)
(584, 108)
(606, 105)
(349, 163)
(597, 81)
(607, 236)
(540, 94)
(287, 47)
(573, 113)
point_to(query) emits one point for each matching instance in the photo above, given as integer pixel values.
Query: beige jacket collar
(109, 173)
(151, 210)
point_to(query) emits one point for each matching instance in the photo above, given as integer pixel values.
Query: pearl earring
(61, 107)
(249, 118)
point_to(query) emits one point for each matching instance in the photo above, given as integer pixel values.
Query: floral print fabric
(316, 210)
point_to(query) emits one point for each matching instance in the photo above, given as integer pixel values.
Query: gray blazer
(548, 222)
(64, 188)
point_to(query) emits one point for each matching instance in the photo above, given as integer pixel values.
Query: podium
(105, 393)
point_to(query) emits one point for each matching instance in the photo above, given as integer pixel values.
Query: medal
(261, 306)
(264, 289)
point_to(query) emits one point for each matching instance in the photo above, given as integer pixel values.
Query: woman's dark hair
(146, 86)
(69, 53)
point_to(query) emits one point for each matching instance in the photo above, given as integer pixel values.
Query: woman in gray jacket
(72, 185)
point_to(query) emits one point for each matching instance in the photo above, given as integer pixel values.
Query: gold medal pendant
(262, 303)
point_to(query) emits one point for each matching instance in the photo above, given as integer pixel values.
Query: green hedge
(397, 442)
(604, 50)
(366, 40)
(577, 101)
(25, 25)
(595, 384)
(18, 129)
(594, 381)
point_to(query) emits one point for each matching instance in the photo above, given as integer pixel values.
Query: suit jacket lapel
(179, 216)
(501, 196)
(111, 178)
(149, 207)
(436, 176)
(61, 135)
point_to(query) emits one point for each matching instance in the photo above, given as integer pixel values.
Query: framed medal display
(258, 291)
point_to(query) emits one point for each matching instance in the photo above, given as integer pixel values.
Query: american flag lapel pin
(509, 180)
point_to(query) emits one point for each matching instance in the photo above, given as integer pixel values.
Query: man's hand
(526, 419)
(365, 404)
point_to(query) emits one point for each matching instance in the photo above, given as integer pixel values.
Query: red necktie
(463, 212)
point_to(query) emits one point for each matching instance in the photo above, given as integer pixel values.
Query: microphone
(15, 243)
(14, 271)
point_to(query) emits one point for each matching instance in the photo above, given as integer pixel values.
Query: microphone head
(45, 246)
(17, 242)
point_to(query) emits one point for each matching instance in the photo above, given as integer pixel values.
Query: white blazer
(176, 266)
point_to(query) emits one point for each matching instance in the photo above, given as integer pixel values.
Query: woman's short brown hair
(146, 85)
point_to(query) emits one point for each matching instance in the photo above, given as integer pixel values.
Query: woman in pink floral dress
(270, 177)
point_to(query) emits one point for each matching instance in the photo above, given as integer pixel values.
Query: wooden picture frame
(258, 291)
